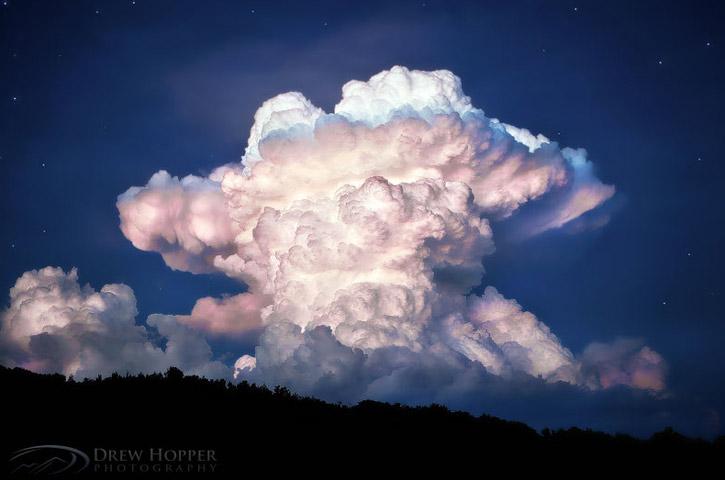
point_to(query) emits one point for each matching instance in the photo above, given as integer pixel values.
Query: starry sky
(99, 95)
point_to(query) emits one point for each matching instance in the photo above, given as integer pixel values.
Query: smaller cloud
(623, 362)
(243, 365)
(524, 343)
(237, 315)
(525, 137)
(185, 220)
(54, 324)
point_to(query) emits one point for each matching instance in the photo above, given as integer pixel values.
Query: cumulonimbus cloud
(360, 234)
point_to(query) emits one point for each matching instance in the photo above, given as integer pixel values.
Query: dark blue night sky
(97, 96)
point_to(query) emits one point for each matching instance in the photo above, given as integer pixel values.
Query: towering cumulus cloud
(360, 234)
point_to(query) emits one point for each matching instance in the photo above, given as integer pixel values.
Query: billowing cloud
(360, 233)
(515, 339)
(55, 325)
(185, 220)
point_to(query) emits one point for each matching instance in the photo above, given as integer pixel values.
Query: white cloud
(402, 92)
(525, 137)
(281, 115)
(524, 343)
(359, 234)
(55, 325)
(245, 363)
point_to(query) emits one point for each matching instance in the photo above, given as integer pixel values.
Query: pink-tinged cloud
(232, 316)
(184, 219)
(360, 234)
(623, 362)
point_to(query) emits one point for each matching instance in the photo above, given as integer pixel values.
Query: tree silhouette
(174, 374)
(244, 423)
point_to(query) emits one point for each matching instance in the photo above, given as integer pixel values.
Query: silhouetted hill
(248, 426)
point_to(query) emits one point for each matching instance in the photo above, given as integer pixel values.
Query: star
(708, 44)
(42, 165)
(660, 62)
(325, 24)
(689, 254)
(98, 12)
(15, 99)
(12, 245)
(576, 9)
(664, 303)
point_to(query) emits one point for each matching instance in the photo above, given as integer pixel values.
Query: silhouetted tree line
(251, 425)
